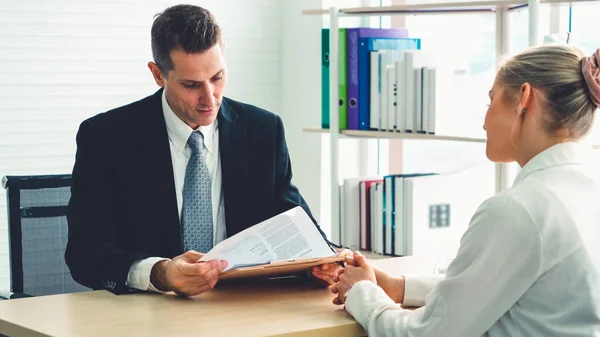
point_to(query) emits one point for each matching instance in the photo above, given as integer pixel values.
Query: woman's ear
(525, 98)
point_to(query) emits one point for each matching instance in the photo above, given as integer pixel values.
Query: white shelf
(397, 135)
(440, 8)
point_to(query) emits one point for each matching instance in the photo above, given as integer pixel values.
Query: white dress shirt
(529, 264)
(179, 132)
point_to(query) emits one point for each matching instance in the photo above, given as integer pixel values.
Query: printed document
(288, 236)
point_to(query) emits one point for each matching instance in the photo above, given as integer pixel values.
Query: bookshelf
(499, 9)
(441, 8)
(395, 135)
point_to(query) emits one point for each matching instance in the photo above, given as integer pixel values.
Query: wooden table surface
(284, 307)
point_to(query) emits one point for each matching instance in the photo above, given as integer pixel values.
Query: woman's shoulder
(509, 209)
(511, 198)
(525, 197)
(505, 224)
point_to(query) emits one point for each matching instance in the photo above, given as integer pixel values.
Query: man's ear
(157, 74)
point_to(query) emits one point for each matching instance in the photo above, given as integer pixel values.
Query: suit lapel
(157, 161)
(233, 142)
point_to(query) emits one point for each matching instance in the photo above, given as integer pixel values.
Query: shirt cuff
(365, 297)
(416, 289)
(139, 274)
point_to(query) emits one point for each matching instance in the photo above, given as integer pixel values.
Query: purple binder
(352, 36)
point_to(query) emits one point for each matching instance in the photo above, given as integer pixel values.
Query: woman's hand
(329, 271)
(393, 286)
(358, 269)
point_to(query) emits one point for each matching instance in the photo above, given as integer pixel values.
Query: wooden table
(284, 307)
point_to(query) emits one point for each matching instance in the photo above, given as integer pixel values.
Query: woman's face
(502, 125)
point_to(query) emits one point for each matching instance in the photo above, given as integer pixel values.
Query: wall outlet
(439, 216)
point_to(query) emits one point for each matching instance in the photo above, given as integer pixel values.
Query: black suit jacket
(123, 206)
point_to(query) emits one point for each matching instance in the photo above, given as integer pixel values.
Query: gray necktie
(197, 206)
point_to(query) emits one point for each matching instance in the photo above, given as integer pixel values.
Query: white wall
(62, 61)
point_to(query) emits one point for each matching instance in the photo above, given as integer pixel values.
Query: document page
(289, 235)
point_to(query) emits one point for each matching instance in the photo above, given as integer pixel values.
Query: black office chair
(38, 233)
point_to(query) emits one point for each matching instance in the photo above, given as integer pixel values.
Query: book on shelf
(365, 212)
(422, 93)
(350, 220)
(343, 91)
(371, 83)
(393, 211)
(356, 101)
(377, 218)
(413, 213)
(439, 208)
(343, 84)
(354, 68)
(387, 82)
(348, 74)
(414, 61)
(325, 79)
(426, 112)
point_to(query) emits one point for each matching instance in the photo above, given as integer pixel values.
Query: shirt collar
(568, 153)
(179, 132)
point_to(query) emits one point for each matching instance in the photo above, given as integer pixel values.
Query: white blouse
(529, 264)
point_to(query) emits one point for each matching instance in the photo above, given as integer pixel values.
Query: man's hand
(327, 272)
(352, 274)
(185, 275)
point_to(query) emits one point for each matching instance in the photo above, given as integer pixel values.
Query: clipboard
(279, 268)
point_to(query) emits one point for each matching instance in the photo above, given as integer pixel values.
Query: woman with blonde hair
(529, 263)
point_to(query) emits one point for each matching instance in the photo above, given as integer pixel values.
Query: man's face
(194, 88)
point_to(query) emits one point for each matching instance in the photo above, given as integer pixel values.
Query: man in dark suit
(160, 180)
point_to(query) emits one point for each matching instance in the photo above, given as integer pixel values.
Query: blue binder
(365, 46)
(392, 186)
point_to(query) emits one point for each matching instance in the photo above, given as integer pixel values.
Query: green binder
(343, 109)
(325, 78)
